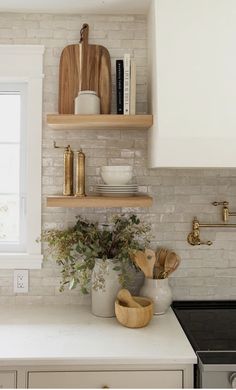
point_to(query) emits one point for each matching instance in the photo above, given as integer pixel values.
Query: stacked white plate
(117, 190)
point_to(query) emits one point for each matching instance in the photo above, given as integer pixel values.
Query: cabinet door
(7, 379)
(105, 379)
(194, 88)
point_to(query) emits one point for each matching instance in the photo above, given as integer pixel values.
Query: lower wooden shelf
(99, 201)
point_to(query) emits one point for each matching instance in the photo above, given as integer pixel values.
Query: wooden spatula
(151, 258)
(141, 261)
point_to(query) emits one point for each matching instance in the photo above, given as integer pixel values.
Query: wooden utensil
(162, 256)
(139, 258)
(84, 67)
(160, 261)
(177, 263)
(135, 317)
(125, 297)
(145, 264)
(171, 263)
(151, 258)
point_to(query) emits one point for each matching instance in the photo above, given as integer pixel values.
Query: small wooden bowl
(133, 317)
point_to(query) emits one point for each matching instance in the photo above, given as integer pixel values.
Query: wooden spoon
(171, 263)
(125, 297)
(175, 266)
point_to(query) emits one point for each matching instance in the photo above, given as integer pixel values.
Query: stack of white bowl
(117, 175)
(116, 179)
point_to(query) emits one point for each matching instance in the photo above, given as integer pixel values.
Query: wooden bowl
(133, 317)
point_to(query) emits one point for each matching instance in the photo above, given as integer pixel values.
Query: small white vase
(87, 102)
(160, 292)
(104, 288)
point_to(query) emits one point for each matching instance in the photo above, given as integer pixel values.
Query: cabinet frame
(24, 367)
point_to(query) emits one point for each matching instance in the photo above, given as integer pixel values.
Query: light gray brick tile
(179, 194)
(28, 300)
(200, 291)
(6, 300)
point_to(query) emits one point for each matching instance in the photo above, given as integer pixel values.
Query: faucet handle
(224, 203)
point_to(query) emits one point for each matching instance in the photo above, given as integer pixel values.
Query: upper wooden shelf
(83, 122)
(99, 201)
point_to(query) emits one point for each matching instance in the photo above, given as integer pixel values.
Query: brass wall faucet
(225, 210)
(194, 237)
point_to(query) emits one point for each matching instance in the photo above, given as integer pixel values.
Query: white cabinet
(105, 379)
(192, 83)
(7, 379)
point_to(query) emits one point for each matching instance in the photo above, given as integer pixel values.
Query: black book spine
(119, 86)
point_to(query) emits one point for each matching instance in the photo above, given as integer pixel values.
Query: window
(20, 155)
(13, 228)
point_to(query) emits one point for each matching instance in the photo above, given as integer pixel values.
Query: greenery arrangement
(75, 249)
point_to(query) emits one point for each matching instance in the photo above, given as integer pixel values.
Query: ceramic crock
(104, 288)
(160, 292)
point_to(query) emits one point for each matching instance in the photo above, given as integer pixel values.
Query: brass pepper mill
(80, 174)
(68, 169)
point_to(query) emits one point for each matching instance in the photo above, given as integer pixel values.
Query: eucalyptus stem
(75, 249)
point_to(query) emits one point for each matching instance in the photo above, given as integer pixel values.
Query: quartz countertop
(72, 335)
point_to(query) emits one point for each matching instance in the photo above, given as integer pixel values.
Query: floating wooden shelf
(83, 122)
(99, 201)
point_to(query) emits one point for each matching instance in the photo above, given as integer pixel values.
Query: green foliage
(75, 249)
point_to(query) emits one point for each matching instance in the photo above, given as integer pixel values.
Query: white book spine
(132, 88)
(126, 84)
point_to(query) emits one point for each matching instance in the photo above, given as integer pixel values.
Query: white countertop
(72, 335)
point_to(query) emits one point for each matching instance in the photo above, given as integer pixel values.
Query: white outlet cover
(21, 281)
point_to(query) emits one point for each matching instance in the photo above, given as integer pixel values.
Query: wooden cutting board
(84, 67)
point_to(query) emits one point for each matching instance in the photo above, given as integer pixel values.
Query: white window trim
(24, 63)
(20, 90)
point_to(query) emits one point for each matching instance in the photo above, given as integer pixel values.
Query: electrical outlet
(21, 280)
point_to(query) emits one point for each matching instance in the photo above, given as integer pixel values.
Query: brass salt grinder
(68, 169)
(80, 174)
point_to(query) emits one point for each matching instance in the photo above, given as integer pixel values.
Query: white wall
(205, 273)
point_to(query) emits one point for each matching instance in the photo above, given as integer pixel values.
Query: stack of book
(126, 86)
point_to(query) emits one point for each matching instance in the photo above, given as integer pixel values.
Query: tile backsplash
(179, 194)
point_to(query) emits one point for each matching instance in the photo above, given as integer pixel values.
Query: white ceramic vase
(160, 292)
(104, 288)
(87, 102)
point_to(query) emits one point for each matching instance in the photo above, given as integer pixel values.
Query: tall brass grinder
(80, 174)
(68, 169)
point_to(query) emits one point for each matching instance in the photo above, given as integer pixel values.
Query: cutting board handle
(84, 34)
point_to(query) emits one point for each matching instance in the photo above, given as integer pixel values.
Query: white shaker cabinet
(192, 69)
(7, 379)
(106, 379)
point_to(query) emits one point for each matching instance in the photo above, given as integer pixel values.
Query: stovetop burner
(210, 326)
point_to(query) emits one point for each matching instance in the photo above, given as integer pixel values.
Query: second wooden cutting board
(84, 67)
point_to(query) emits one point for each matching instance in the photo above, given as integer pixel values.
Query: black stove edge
(186, 305)
(217, 357)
